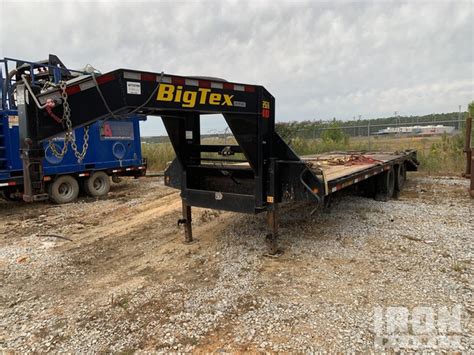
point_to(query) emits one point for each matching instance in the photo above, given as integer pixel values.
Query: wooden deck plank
(333, 171)
(333, 167)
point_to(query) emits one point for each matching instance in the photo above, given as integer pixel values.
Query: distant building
(417, 130)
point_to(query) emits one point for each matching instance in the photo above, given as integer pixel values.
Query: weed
(120, 302)
(157, 155)
(458, 266)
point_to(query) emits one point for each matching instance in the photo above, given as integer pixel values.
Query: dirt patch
(125, 281)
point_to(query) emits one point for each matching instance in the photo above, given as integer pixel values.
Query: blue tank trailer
(114, 150)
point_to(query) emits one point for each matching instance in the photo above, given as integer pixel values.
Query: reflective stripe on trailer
(359, 178)
(175, 80)
(74, 89)
(83, 174)
(10, 183)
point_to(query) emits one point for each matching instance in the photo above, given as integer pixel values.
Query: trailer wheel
(98, 184)
(64, 189)
(401, 177)
(385, 185)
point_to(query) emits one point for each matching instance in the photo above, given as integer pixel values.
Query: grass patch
(157, 155)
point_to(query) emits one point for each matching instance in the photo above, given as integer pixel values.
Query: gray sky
(319, 59)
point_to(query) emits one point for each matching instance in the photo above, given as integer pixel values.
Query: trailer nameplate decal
(134, 88)
(240, 104)
(189, 98)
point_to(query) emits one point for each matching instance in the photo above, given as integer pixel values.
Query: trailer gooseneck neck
(269, 172)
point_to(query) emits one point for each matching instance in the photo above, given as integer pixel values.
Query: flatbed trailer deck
(342, 169)
(269, 173)
(338, 170)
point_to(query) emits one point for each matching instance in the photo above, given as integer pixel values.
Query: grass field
(438, 155)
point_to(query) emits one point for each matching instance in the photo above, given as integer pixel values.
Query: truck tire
(64, 189)
(98, 184)
(385, 185)
(401, 177)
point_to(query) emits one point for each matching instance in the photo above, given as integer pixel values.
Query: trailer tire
(401, 177)
(63, 189)
(385, 185)
(98, 184)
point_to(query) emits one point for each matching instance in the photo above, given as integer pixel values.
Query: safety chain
(69, 136)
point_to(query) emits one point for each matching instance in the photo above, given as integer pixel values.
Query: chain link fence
(368, 129)
(439, 143)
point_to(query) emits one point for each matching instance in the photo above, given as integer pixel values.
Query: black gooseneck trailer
(268, 172)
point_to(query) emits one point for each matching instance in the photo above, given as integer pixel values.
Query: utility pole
(358, 126)
(397, 118)
(368, 135)
(225, 135)
(459, 119)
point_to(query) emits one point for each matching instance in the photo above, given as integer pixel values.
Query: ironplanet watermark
(418, 328)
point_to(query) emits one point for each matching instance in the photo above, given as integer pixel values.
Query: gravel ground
(125, 281)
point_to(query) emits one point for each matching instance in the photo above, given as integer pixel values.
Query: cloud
(320, 60)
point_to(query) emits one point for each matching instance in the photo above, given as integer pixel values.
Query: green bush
(445, 156)
(334, 134)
